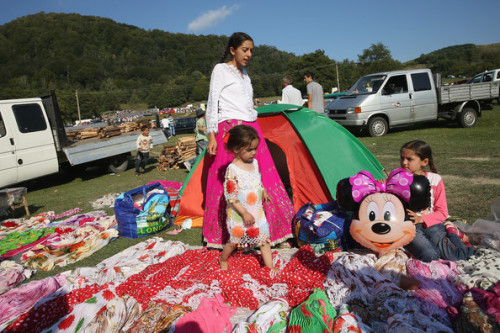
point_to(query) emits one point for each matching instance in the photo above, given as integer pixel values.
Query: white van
(380, 101)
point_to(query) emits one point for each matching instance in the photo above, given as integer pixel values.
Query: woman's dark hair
(420, 198)
(234, 42)
(422, 149)
(241, 136)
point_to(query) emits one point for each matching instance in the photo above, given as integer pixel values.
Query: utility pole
(338, 81)
(78, 108)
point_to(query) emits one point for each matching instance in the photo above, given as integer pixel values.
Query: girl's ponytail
(431, 165)
(224, 56)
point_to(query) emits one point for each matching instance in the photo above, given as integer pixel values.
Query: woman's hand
(212, 144)
(417, 219)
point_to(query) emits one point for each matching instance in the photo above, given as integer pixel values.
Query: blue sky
(343, 29)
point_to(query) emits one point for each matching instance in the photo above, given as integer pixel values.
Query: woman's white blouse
(230, 97)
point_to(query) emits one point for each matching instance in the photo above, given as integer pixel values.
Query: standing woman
(230, 103)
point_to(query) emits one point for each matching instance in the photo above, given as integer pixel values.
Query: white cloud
(211, 18)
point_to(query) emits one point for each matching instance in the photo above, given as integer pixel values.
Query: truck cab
(27, 148)
(382, 100)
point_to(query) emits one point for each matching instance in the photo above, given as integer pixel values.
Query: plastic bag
(142, 211)
(321, 226)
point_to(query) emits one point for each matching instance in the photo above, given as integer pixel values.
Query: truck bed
(467, 92)
(93, 149)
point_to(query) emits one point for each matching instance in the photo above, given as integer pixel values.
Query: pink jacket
(438, 212)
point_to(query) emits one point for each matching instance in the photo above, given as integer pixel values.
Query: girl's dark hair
(422, 149)
(241, 136)
(235, 41)
(420, 198)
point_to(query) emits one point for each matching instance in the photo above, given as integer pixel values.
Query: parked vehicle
(329, 98)
(378, 102)
(33, 142)
(486, 76)
(185, 124)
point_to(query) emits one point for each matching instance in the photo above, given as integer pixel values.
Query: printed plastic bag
(321, 226)
(142, 211)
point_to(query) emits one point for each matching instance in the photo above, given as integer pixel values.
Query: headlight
(356, 109)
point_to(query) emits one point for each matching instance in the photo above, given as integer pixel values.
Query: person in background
(230, 103)
(315, 99)
(201, 137)
(290, 94)
(434, 239)
(144, 145)
(171, 126)
(246, 221)
(165, 124)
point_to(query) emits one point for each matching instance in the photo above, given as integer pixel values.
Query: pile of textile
(48, 240)
(158, 285)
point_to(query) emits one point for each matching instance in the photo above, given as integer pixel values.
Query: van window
(29, 118)
(396, 85)
(476, 79)
(3, 131)
(488, 77)
(421, 81)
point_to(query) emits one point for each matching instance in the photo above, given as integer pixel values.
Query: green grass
(468, 160)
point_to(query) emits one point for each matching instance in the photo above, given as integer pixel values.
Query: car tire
(377, 127)
(467, 118)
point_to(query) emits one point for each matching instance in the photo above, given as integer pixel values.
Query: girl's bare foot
(224, 265)
(275, 270)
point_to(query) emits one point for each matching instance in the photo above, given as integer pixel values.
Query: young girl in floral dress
(246, 221)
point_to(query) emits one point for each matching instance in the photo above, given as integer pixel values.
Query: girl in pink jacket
(435, 238)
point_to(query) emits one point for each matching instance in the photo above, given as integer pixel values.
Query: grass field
(467, 159)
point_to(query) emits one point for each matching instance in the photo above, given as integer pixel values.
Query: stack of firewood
(187, 148)
(129, 127)
(87, 133)
(109, 131)
(169, 158)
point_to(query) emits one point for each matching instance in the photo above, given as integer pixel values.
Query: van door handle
(411, 95)
(12, 141)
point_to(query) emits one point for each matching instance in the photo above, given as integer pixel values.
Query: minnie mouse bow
(397, 183)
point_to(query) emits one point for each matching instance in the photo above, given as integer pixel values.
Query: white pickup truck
(33, 142)
(381, 101)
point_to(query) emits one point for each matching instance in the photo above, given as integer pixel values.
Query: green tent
(311, 153)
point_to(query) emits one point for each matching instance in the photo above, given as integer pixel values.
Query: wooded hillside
(111, 64)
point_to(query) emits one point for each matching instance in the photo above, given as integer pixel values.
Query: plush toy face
(381, 226)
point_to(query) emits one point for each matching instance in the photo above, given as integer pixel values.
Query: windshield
(367, 84)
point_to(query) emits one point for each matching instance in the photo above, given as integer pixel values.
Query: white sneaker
(188, 165)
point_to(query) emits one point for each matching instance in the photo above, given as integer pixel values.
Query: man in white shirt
(165, 124)
(290, 94)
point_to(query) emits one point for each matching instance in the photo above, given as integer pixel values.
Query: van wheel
(377, 126)
(118, 163)
(467, 118)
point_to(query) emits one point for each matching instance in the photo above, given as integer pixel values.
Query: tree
(377, 58)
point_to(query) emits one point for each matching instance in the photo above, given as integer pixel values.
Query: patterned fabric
(353, 280)
(279, 212)
(316, 314)
(158, 317)
(437, 290)
(245, 188)
(269, 318)
(11, 274)
(19, 300)
(481, 270)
